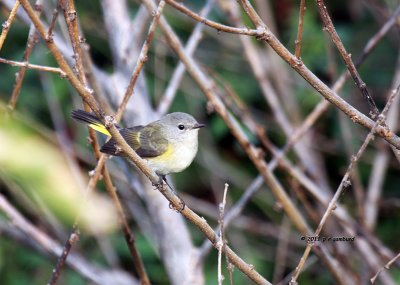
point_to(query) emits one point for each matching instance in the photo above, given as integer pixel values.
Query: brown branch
(33, 66)
(72, 239)
(191, 45)
(329, 27)
(215, 25)
(387, 266)
(53, 22)
(33, 39)
(141, 59)
(300, 28)
(221, 240)
(7, 24)
(345, 183)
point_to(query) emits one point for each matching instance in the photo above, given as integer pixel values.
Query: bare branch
(7, 24)
(345, 183)
(300, 28)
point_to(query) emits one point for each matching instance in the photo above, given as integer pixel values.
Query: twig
(73, 238)
(129, 236)
(344, 183)
(387, 266)
(300, 28)
(328, 26)
(192, 43)
(282, 249)
(7, 24)
(53, 21)
(141, 59)
(221, 239)
(33, 39)
(380, 165)
(33, 66)
(215, 25)
(234, 212)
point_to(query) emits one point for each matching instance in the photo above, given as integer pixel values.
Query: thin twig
(300, 28)
(387, 266)
(215, 25)
(234, 212)
(345, 183)
(380, 166)
(329, 27)
(33, 39)
(141, 59)
(7, 24)
(53, 21)
(33, 66)
(221, 239)
(191, 45)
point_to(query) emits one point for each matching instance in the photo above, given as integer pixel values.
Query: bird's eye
(181, 127)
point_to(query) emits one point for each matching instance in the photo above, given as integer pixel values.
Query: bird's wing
(152, 141)
(146, 141)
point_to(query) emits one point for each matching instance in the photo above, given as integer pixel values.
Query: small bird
(169, 144)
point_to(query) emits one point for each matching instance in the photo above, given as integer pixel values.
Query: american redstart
(169, 145)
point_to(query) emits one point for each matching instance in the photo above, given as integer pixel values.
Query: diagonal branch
(263, 33)
(345, 183)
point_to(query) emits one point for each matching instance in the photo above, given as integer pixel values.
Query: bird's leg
(164, 178)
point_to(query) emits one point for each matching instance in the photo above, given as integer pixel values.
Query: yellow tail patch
(100, 128)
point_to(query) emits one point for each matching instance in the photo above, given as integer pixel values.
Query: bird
(169, 145)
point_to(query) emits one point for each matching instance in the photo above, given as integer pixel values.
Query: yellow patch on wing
(137, 137)
(100, 128)
(166, 156)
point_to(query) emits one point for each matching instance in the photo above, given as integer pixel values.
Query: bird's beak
(198, 126)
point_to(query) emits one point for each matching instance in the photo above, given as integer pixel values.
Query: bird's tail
(91, 120)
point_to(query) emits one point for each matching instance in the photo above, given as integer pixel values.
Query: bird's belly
(172, 161)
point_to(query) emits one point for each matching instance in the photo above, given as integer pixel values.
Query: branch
(263, 33)
(344, 183)
(328, 26)
(215, 25)
(27, 65)
(7, 24)
(300, 28)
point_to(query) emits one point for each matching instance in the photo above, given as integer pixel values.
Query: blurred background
(45, 158)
